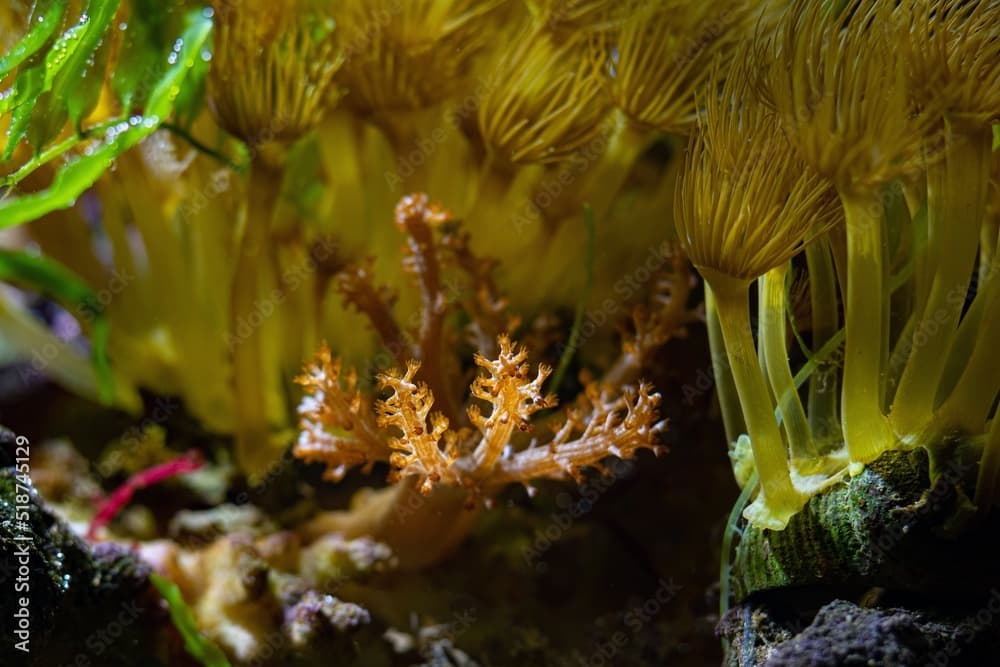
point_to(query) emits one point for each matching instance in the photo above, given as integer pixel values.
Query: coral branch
(607, 425)
(448, 462)
(417, 450)
(341, 431)
(416, 217)
(664, 316)
(357, 285)
(514, 398)
(337, 424)
(487, 308)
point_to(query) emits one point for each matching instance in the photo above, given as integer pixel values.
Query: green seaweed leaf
(142, 53)
(81, 172)
(66, 288)
(76, 82)
(27, 88)
(45, 18)
(200, 648)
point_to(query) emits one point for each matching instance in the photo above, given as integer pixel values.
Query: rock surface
(844, 634)
(85, 607)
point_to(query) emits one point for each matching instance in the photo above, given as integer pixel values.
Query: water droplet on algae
(206, 55)
(172, 58)
(123, 25)
(208, 12)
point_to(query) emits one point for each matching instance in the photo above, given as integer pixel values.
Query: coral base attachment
(887, 568)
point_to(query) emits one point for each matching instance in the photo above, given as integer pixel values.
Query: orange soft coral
(337, 421)
(452, 441)
(336, 426)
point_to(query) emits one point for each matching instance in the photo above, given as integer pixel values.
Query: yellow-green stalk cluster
(890, 105)
(217, 240)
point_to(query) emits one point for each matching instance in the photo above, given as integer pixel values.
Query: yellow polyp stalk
(164, 340)
(915, 194)
(823, 415)
(503, 223)
(609, 173)
(838, 250)
(780, 498)
(961, 348)
(897, 359)
(132, 306)
(779, 372)
(969, 404)
(253, 449)
(866, 429)
(989, 469)
(725, 385)
(155, 243)
(415, 138)
(956, 202)
(761, 305)
(277, 323)
(214, 247)
(987, 245)
(298, 285)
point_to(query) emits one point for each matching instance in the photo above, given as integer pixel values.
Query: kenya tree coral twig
(454, 459)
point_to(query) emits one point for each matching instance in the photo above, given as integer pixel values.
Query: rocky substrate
(70, 604)
(889, 568)
(845, 634)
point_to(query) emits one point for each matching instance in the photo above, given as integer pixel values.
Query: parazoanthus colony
(814, 151)
(304, 129)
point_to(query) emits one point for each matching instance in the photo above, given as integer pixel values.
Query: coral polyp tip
(407, 56)
(746, 202)
(417, 209)
(661, 55)
(272, 72)
(952, 56)
(839, 88)
(548, 102)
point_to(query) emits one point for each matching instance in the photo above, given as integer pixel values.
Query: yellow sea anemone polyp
(747, 204)
(546, 101)
(272, 69)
